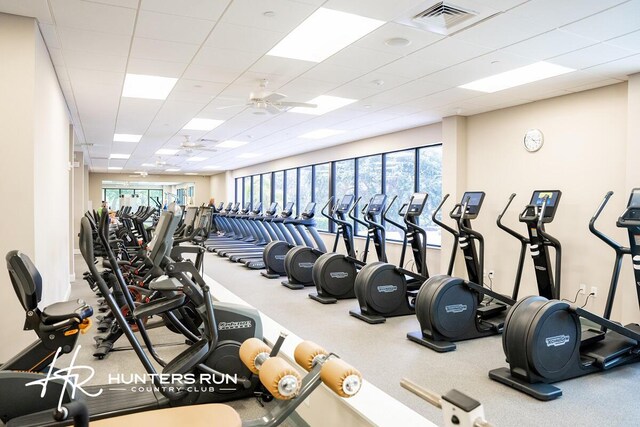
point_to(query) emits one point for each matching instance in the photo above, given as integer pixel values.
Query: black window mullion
(356, 191)
(298, 186)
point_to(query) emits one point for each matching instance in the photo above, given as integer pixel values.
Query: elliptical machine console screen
(417, 204)
(553, 196)
(377, 203)
(474, 201)
(634, 200)
(345, 203)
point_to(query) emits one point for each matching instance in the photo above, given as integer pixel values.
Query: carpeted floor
(384, 356)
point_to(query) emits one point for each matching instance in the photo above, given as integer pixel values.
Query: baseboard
(72, 278)
(77, 252)
(68, 293)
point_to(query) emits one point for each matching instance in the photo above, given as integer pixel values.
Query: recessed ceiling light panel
(520, 76)
(126, 137)
(147, 87)
(322, 133)
(325, 103)
(119, 156)
(203, 124)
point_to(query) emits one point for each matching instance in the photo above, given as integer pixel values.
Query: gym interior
(320, 212)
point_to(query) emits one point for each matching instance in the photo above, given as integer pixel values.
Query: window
(321, 192)
(155, 197)
(112, 198)
(305, 190)
(399, 181)
(430, 181)
(247, 191)
(239, 191)
(369, 184)
(266, 189)
(257, 197)
(344, 180)
(291, 191)
(278, 188)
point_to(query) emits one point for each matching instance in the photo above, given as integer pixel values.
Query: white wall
(33, 171)
(584, 155)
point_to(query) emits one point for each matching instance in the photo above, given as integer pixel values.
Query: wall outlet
(583, 288)
(594, 291)
(491, 274)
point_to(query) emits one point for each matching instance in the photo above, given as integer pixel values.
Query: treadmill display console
(288, 207)
(417, 204)
(345, 203)
(377, 204)
(310, 208)
(273, 207)
(474, 200)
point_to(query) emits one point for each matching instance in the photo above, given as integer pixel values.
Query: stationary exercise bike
(334, 273)
(385, 290)
(453, 309)
(544, 341)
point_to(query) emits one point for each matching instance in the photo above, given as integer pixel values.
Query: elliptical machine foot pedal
(294, 286)
(269, 275)
(371, 319)
(540, 391)
(323, 300)
(439, 346)
(491, 310)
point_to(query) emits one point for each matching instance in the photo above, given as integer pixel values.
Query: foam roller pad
(342, 378)
(306, 352)
(280, 378)
(249, 350)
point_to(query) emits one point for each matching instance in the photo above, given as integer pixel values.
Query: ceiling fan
(141, 174)
(189, 146)
(272, 102)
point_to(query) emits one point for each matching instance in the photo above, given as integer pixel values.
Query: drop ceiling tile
(449, 51)
(619, 69)
(629, 41)
(162, 50)
(131, 4)
(203, 9)
(445, 97)
(552, 13)
(611, 23)
(91, 41)
(34, 8)
(174, 28)
(417, 38)
(209, 73)
(361, 59)
(94, 61)
(98, 17)
(177, 113)
(123, 147)
(548, 45)
(355, 91)
(381, 81)
(594, 85)
(137, 114)
(88, 77)
(280, 66)
(304, 87)
(500, 31)
(288, 14)
(383, 10)
(331, 73)
(591, 56)
(411, 67)
(50, 36)
(243, 38)
(155, 68)
(225, 59)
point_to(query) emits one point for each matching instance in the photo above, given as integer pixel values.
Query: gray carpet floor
(384, 356)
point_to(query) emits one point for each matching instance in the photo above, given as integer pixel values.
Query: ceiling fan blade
(296, 104)
(213, 150)
(273, 109)
(274, 97)
(232, 106)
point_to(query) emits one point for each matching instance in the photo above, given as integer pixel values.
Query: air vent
(443, 18)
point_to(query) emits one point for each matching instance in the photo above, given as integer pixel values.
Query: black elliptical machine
(544, 341)
(275, 252)
(385, 290)
(453, 309)
(333, 273)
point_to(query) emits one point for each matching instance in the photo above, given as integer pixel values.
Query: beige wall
(222, 187)
(34, 128)
(584, 156)
(202, 190)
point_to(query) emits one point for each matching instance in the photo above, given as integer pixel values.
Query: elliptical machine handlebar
(353, 208)
(608, 240)
(475, 234)
(390, 221)
(452, 231)
(507, 229)
(553, 242)
(324, 209)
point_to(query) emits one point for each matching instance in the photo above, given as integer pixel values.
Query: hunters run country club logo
(75, 380)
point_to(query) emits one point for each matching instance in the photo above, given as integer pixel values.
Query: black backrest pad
(25, 278)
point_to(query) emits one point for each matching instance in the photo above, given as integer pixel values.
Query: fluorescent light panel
(126, 137)
(322, 133)
(231, 144)
(147, 165)
(119, 156)
(520, 76)
(196, 159)
(325, 103)
(211, 167)
(172, 170)
(166, 152)
(248, 155)
(203, 124)
(190, 173)
(147, 87)
(115, 168)
(318, 37)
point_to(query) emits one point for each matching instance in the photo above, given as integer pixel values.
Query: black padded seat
(60, 311)
(107, 264)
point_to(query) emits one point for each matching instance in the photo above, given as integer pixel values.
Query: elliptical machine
(543, 339)
(333, 273)
(453, 309)
(385, 290)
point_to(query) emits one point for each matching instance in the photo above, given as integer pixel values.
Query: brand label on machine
(279, 257)
(469, 258)
(455, 308)
(339, 275)
(541, 268)
(557, 341)
(305, 264)
(225, 326)
(387, 289)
